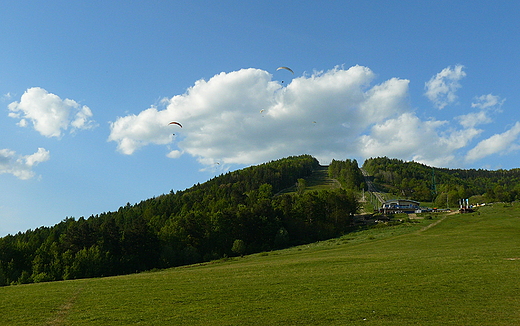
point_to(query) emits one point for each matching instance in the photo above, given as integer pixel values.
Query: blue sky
(88, 89)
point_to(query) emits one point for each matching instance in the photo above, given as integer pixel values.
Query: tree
(239, 247)
(301, 184)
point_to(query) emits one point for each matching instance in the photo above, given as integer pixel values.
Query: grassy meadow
(459, 269)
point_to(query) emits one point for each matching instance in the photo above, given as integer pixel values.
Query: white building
(399, 206)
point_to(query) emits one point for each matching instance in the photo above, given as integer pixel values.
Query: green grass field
(462, 271)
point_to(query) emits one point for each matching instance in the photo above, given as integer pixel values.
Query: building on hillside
(399, 206)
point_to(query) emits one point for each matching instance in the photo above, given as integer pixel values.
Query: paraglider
(286, 68)
(175, 123)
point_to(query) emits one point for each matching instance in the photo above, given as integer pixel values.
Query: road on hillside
(371, 187)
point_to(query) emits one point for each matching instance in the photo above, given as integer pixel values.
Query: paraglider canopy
(175, 123)
(286, 68)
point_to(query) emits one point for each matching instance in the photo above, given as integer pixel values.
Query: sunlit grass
(463, 271)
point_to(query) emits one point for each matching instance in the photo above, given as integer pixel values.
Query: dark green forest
(440, 185)
(233, 214)
(347, 173)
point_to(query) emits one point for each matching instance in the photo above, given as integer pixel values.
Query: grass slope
(462, 271)
(318, 180)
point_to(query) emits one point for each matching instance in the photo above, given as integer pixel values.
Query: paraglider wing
(286, 68)
(175, 123)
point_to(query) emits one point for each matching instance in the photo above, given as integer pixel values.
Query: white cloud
(408, 137)
(7, 97)
(441, 88)
(474, 119)
(488, 101)
(245, 117)
(21, 166)
(487, 104)
(41, 155)
(174, 154)
(49, 114)
(498, 143)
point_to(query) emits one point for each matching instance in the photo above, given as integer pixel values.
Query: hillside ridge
(229, 215)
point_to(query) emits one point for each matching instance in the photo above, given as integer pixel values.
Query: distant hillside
(424, 183)
(233, 214)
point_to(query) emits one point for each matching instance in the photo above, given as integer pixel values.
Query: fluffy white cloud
(441, 88)
(21, 166)
(498, 143)
(49, 114)
(410, 138)
(245, 117)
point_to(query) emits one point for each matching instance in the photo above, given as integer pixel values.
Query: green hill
(461, 271)
(233, 214)
(275, 205)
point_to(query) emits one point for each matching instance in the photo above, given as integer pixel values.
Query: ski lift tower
(434, 187)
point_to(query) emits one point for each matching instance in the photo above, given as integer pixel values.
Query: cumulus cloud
(49, 114)
(441, 88)
(21, 165)
(496, 144)
(246, 117)
(423, 141)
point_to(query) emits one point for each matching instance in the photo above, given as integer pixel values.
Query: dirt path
(437, 222)
(63, 311)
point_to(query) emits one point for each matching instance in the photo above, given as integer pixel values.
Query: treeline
(232, 214)
(440, 185)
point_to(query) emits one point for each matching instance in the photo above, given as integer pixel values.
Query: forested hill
(424, 183)
(232, 214)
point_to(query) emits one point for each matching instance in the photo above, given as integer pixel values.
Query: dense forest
(233, 214)
(443, 186)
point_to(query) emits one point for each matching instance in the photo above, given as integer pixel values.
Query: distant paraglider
(286, 68)
(175, 123)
